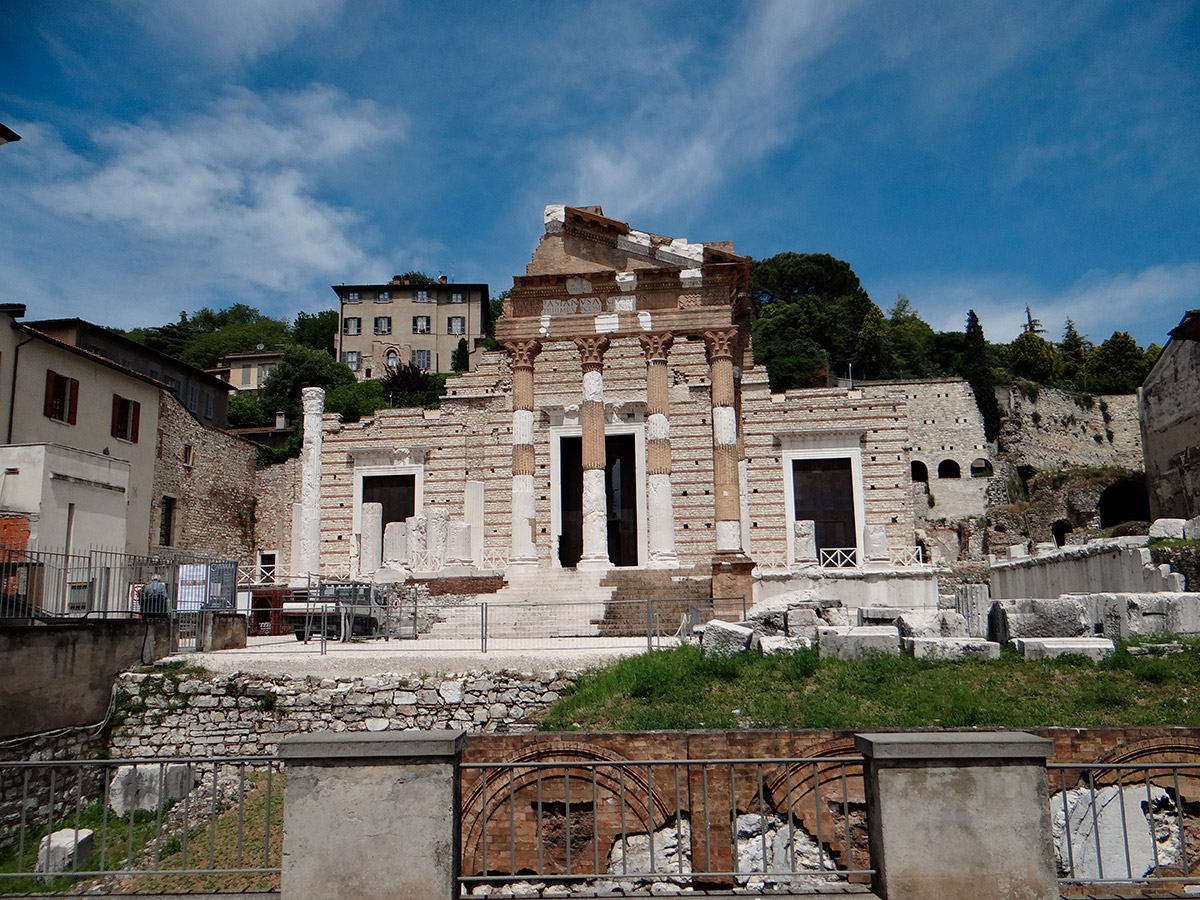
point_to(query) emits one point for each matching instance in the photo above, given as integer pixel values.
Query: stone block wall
(211, 475)
(1103, 565)
(1169, 412)
(276, 491)
(1052, 429)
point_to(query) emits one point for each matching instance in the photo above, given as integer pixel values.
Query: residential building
(393, 324)
(246, 371)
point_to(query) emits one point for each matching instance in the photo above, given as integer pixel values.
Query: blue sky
(970, 155)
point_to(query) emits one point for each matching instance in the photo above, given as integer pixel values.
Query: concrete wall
(59, 676)
(222, 631)
(1169, 412)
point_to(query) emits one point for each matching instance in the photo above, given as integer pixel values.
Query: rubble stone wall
(1052, 429)
(277, 490)
(1170, 420)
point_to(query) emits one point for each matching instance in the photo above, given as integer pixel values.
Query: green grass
(683, 689)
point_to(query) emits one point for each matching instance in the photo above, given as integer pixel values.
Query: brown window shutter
(48, 408)
(116, 417)
(73, 407)
(136, 421)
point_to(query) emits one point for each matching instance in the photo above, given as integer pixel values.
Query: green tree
(171, 339)
(299, 368)
(245, 411)
(353, 401)
(1031, 356)
(977, 370)
(871, 350)
(415, 277)
(783, 344)
(204, 349)
(316, 330)
(1118, 366)
(1072, 350)
(461, 358)
(946, 352)
(410, 386)
(910, 342)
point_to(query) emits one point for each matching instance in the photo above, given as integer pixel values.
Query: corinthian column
(523, 551)
(306, 515)
(591, 414)
(728, 513)
(660, 511)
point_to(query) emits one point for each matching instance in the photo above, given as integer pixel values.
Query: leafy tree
(1072, 350)
(946, 350)
(910, 341)
(415, 277)
(977, 371)
(1032, 325)
(1031, 356)
(299, 368)
(353, 401)
(783, 344)
(316, 330)
(871, 350)
(495, 312)
(408, 386)
(1117, 366)
(245, 411)
(460, 360)
(171, 339)
(206, 348)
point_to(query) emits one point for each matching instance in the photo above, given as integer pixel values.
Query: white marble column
(660, 505)
(523, 549)
(306, 555)
(591, 415)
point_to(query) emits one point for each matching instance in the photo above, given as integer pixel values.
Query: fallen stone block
(725, 638)
(972, 601)
(857, 642)
(802, 618)
(148, 786)
(1168, 529)
(1060, 617)
(1034, 649)
(768, 616)
(951, 648)
(878, 615)
(1123, 615)
(1191, 529)
(65, 849)
(780, 643)
(943, 623)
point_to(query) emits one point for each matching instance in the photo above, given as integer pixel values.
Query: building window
(126, 418)
(352, 358)
(245, 374)
(189, 455)
(166, 521)
(353, 297)
(420, 324)
(384, 297)
(421, 359)
(948, 468)
(392, 358)
(193, 401)
(383, 324)
(266, 568)
(422, 297)
(264, 370)
(456, 325)
(351, 325)
(456, 297)
(62, 397)
(208, 405)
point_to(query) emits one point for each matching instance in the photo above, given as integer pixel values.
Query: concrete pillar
(660, 504)
(371, 816)
(960, 814)
(370, 542)
(458, 544)
(395, 545)
(728, 511)
(307, 558)
(972, 602)
(523, 549)
(876, 545)
(591, 415)
(473, 515)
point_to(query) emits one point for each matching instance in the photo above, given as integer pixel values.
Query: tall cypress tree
(978, 373)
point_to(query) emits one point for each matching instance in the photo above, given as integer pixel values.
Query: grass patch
(683, 689)
(175, 667)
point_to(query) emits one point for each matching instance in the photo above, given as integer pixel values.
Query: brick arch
(1157, 754)
(512, 793)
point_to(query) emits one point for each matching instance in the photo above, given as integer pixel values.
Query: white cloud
(229, 32)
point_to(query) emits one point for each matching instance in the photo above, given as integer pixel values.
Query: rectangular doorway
(620, 488)
(823, 491)
(396, 493)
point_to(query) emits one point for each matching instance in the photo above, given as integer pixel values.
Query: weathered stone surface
(147, 786)
(971, 601)
(804, 542)
(951, 648)
(1191, 529)
(782, 643)
(768, 616)
(1061, 617)
(942, 623)
(1169, 529)
(65, 849)
(672, 852)
(725, 638)
(858, 642)
(1114, 833)
(1034, 649)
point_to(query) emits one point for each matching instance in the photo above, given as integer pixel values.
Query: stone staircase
(547, 603)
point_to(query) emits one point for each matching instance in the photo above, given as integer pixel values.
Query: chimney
(396, 279)
(281, 421)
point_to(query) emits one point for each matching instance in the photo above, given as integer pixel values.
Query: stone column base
(731, 577)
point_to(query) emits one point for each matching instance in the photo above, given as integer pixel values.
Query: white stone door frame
(611, 429)
(822, 445)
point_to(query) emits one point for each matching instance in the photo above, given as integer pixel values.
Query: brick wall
(276, 491)
(211, 476)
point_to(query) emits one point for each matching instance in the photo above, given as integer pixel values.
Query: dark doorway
(620, 486)
(823, 490)
(919, 471)
(1124, 501)
(1060, 530)
(396, 493)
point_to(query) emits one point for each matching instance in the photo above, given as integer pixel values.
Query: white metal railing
(425, 561)
(838, 557)
(772, 562)
(909, 556)
(495, 558)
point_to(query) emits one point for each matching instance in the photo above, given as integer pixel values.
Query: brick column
(595, 499)
(728, 512)
(523, 552)
(660, 510)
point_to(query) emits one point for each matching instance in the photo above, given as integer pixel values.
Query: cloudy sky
(969, 155)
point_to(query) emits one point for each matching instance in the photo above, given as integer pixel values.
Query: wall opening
(395, 493)
(1124, 501)
(620, 487)
(948, 468)
(981, 468)
(920, 472)
(1060, 530)
(823, 490)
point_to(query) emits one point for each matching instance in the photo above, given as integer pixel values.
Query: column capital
(720, 344)
(522, 352)
(592, 350)
(655, 346)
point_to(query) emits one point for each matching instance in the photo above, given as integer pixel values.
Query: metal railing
(751, 823)
(838, 557)
(64, 822)
(909, 556)
(1123, 823)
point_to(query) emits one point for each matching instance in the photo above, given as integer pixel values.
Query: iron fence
(762, 823)
(141, 823)
(1126, 823)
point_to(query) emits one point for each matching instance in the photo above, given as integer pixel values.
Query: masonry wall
(276, 491)
(1169, 411)
(211, 475)
(1051, 429)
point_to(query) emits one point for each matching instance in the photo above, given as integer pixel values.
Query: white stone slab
(1170, 529)
(951, 648)
(1035, 649)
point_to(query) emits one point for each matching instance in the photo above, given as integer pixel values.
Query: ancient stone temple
(626, 425)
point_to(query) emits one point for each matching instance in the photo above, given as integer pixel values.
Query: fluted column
(523, 552)
(595, 497)
(728, 512)
(660, 509)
